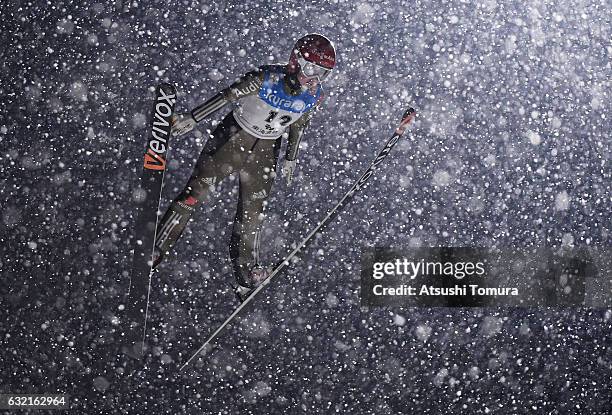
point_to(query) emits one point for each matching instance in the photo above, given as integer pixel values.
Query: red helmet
(314, 55)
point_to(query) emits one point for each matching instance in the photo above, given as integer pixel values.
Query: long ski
(134, 321)
(406, 119)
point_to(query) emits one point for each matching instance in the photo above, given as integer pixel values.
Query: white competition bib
(267, 114)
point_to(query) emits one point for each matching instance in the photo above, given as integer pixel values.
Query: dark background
(511, 148)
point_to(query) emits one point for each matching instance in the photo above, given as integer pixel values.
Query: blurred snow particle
(538, 36)
(474, 372)
(174, 164)
(101, 383)
(78, 91)
(55, 104)
(343, 347)
(60, 302)
(242, 53)
(534, 137)
(567, 239)
(442, 116)
(97, 8)
(215, 75)
(32, 245)
(555, 122)
(477, 204)
(491, 326)
(256, 325)
(404, 181)
(399, 320)
(262, 389)
(441, 178)
(423, 332)
(510, 44)
(439, 378)
(29, 163)
(415, 241)
(524, 330)
(489, 160)
(61, 178)
(65, 27)
(92, 39)
(562, 201)
(11, 216)
(139, 195)
(331, 300)
(139, 120)
(363, 15)
(596, 103)
(165, 359)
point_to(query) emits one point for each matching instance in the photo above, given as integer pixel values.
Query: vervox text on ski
(156, 151)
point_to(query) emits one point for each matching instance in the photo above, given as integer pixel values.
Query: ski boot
(258, 275)
(157, 257)
(242, 292)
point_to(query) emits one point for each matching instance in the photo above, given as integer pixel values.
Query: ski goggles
(312, 70)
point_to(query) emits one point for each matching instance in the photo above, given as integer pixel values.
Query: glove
(182, 124)
(288, 169)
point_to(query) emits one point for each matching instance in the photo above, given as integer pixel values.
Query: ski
(148, 197)
(407, 118)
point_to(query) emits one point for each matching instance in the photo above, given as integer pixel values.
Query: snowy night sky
(511, 147)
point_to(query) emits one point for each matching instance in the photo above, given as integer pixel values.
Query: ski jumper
(246, 142)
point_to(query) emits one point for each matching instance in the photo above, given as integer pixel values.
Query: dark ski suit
(247, 141)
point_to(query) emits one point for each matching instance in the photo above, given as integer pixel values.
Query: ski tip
(407, 118)
(167, 88)
(409, 112)
(165, 85)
